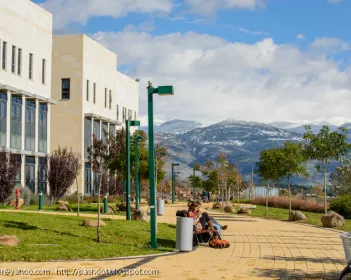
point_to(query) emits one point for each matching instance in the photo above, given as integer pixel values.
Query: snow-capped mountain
(174, 126)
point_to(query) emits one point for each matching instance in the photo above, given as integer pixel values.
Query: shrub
(296, 204)
(94, 199)
(25, 194)
(342, 205)
(34, 199)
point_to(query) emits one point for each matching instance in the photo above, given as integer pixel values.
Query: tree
(9, 168)
(341, 177)
(98, 156)
(270, 168)
(62, 168)
(195, 180)
(293, 159)
(324, 147)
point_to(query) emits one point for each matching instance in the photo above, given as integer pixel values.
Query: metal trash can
(184, 239)
(160, 207)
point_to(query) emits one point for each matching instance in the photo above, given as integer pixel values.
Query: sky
(253, 60)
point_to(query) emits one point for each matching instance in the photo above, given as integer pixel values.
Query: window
(18, 175)
(42, 183)
(19, 62)
(30, 66)
(87, 136)
(105, 97)
(110, 100)
(104, 131)
(117, 112)
(87, 178)
(16, 122)
(43, 66)
(94, 94)
(30, 173)
(66, 87)
(87, 90)
(3, 119)
(96, 129)
(43, 127)
(4, 53)
(112, 130)
(13, 59)
(30, 125)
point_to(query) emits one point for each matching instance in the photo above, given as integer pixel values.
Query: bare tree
(8, 171)
(62, 168)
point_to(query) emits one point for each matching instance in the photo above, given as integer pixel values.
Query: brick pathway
(260, 249)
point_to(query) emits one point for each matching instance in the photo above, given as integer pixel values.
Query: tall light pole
(137, 190)
(162, 90)
(129, 123)
(173, 183)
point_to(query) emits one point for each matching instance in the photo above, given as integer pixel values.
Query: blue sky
(258, 52)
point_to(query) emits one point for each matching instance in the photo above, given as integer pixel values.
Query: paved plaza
(260, 249)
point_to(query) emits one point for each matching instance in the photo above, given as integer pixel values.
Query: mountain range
(189, 142)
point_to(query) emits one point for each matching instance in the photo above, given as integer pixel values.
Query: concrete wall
(27, 26)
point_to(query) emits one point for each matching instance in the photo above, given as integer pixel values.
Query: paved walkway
(260, 249)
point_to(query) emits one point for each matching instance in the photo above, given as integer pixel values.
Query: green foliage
(293, 159)
(341, 177)
(271, 165)
(342, 205)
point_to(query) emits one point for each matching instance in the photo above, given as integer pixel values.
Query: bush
(296, 204)
(94, 199)
(25, 194)
(34, 199)
(342, 205)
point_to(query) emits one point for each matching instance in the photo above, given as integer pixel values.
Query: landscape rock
(123, 207)
(167, 201)
(297, 216)
(9, 240)
(62, 202)
(229, 209)
(93, 223)
(64, 207)
(12, 203)
(110, 210)
(332, 219)
(140, 215)
(217, 205)
(244, 210)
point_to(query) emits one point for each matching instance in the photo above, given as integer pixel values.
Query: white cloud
(80, 11)
(300, 37)
(215, 79)
(211, 6)
(330, 44)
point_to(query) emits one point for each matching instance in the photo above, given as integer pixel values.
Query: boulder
(12, 203)
(217, 205)
(110, 210)
(64, 207)
(167, 201)
(332, 219)
(123, 207)
(297, 216)
(9, 240)
(140, 215)
(93, 223)
(62, 202)
(229, 209)
(244, 210)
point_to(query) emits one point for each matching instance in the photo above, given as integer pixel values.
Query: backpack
(218, 244)
(182, 213)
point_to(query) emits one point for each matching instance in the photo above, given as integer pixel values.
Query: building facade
(93, 98)
(25, 88)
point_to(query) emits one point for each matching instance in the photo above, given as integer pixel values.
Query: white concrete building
(93, 98)
(25, 87)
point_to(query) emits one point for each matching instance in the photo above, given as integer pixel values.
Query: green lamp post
(161, 90)
(129, 123)
(173, 183)
(137, 190)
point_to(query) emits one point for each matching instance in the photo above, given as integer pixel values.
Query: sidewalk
(260, 249)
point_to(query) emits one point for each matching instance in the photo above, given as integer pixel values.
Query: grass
(283, 215)
(87, 208)
(51, 237)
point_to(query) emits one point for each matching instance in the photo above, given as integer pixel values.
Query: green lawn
(90, 208)
(283, 215)
(51, 237)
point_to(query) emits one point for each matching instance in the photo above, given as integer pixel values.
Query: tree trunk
(325, 187)
(267, 195)
(77, 197)
(289, 194)
(98, 227)
(238, 197)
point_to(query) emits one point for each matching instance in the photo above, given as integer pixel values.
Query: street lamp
(129, 123)
(173, 187)
(162, 90)
(137, 190)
